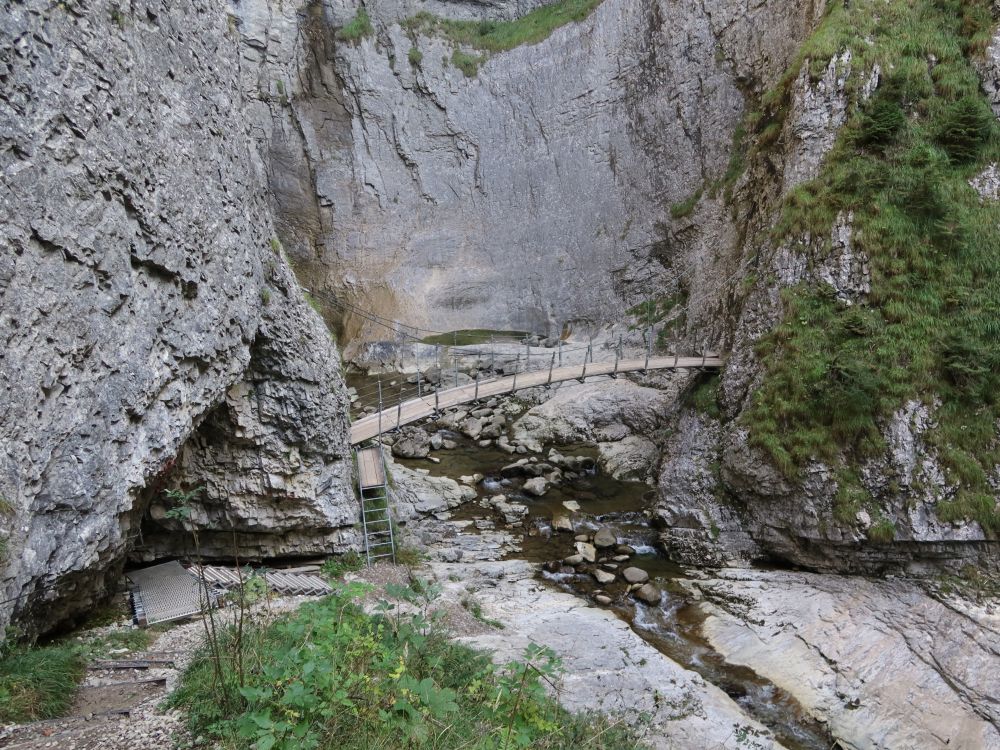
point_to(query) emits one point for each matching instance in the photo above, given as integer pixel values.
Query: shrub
(964, 127)
(332, 676)
(357, 28)
(468, 64)
(880, 123)
(415, 56)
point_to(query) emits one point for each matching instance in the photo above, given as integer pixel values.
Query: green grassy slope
(499, 36)
(930, 329)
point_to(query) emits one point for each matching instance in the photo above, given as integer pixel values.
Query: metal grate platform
(303, 584)
(164, 592)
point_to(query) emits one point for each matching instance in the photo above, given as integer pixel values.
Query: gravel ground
(150, 727)
(147, 726)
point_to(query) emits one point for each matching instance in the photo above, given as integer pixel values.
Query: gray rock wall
(794, 520)
(529, 196)
(136, 251)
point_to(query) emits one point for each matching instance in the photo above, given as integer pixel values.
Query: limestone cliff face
(715, 487)
(531, 195)
(142, 302)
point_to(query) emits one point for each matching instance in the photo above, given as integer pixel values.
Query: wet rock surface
(886, 665)
(618, 673)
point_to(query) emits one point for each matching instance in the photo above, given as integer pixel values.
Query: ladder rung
(377, 557)
(376, 510)
(377, 520)
(379, 533)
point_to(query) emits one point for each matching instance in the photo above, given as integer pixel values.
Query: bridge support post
(517, 364)
(618, 353)
(560, 351)
(476, 398)
(399, 407)
(380, 411)
(552, 364)
(419, 391)
(455, 360)
(649, 347)
(492, 355)
(437, 393)
(677, 347)
(704, 355)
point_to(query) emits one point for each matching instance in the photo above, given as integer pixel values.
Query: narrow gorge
(232, 230)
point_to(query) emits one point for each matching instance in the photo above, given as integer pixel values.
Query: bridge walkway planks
(416, 409)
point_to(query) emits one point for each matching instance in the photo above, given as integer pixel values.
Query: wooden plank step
(371, 470)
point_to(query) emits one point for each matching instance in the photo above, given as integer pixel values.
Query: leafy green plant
(415, 56)
(335, 567)
(357, 28)
(331, 676)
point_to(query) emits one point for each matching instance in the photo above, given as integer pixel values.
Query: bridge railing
(472, 366)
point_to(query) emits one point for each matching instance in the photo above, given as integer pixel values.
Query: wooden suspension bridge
(376, 516)
(421, 407)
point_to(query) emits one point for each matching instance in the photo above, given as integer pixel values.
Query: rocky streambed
(767, 658)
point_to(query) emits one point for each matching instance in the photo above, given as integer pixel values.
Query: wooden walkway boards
(419, 408)
(371, 471)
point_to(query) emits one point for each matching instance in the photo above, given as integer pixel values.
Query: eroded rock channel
(769, 656)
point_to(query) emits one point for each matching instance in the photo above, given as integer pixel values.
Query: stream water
(674, 626)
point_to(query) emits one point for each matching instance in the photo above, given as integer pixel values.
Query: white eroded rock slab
(607, 666)
(886, 665)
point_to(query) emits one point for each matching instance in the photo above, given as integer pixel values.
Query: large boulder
(412, 442)
(635, 575)
(605, 537)
(648, 593)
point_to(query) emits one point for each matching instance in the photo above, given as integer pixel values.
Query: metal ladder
(376, 518)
